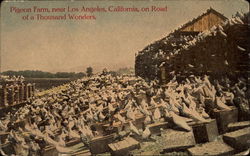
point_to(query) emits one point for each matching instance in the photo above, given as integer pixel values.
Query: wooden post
(100, 144)
(238, 139)
(10, 97)
(124, 147)
(3, 96)
(16, 96)
(29, 90)
(33, 89)
(163, 74)
(175, 140)
(26, 93)
(205, 132)
(21, 93)
(224, 117)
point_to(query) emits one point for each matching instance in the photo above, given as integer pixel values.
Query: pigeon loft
(218, 148)
(3, 99)
(205, 131)
(124, 147)
(224, 117)
(175, 140)
(238, 125)
(100, 144)
(155, 128)
(79, 150)
(240, 139)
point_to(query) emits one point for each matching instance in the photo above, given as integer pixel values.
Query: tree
(89, 71)
(41, 74)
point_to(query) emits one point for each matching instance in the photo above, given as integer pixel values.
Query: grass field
(47, 83)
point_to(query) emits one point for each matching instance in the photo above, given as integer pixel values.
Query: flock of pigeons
(56, 118)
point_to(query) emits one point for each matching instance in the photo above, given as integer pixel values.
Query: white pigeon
(3, 126)
(120, 118)
(240, 48)
(101, 116)
(146, 133)
(226, 63)
(147, 120)
(48, 131)
(133, 128)
(221, 105)
(190, 65)
(48, 139)
(61, 141)
(192, 113)
(130, 114)
(63, 150)
(173, 103)
(2, 152)
(204, 114)
(144, 104)
(157, 115)
(179, 121)
(34, 146)
(74, 134)
(111, 108)
(153, 103)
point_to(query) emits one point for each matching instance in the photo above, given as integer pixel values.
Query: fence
(15, 93)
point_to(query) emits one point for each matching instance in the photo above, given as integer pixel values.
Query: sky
(110, 41)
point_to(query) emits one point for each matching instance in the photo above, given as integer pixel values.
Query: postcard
(125, 77)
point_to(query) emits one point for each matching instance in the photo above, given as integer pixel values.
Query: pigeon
(48, 131)
(48, 139)
(61, 141)
(147, 120)
(180, 122)
(190, 65)
(226, 63)
(157, 115)
(240, 48)
(133, 128)
(2, 152)
(111, 108)
(192, 113)
(120, 118)
(220, 105)
(153, 103)
(203, 113)
(35, 146)
(63, 150)
(146, 133)
(3, 126)
(130, 114)
(74, 134)
(101, 116)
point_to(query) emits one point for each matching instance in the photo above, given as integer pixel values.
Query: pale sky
(109, 41)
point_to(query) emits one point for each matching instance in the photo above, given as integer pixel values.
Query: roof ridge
(186, 24)
(203, 14)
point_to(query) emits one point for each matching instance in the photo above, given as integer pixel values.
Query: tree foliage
(41, 74)
(89, 71)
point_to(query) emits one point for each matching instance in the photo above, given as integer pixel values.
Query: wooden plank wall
(204, 23)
